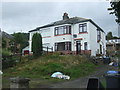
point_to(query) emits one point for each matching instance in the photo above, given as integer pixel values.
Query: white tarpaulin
(60, 75)
(56, 73)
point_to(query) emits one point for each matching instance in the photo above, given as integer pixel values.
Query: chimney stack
(65, 16)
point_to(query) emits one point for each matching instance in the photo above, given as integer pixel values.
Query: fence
(48, 49)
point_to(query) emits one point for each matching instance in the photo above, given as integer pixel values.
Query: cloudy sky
(25, 16)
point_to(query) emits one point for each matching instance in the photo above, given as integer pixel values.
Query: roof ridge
(79, 17)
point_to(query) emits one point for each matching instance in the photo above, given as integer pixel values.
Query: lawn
(40, 69)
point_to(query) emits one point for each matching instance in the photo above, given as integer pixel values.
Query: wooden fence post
(47, 50)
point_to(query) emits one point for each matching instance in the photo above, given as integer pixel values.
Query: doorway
(78, 47)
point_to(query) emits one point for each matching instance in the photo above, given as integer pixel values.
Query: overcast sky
(25, 16)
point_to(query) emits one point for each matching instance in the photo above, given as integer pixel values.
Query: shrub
(6, 52)
(8, 60)
(37, 45)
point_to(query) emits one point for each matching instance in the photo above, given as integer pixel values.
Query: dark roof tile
(72, 20)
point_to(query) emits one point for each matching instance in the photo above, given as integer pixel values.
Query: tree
(3, 43)
(115, 6)
(19, 41)
(109, 36)
(115, 37)
(37, 44)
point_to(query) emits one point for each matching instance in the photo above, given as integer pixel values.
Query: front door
(100, 49)
(78, 47)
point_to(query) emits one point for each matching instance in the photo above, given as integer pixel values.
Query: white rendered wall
(103, 42)
(84, 36)
(30, 40)
(95, 46)
(93, 38)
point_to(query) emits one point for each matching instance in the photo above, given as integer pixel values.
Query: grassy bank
(43, 67)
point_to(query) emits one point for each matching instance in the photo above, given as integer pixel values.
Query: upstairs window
(63, 30)
(98, 35)
(56, 30)
(83, 27)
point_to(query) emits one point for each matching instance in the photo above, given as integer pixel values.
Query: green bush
(8, 62)
(37, 45)
(7, 59)
(6, 52)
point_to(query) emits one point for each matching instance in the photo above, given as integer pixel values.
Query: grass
(104, 83)
(43, 67)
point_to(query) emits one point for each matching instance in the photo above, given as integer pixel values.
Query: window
(63, 30)
(85, 46)
(63, 46)
(115, 40)
(98, 35)
(68, 46)
(83, 27)
(56, 30)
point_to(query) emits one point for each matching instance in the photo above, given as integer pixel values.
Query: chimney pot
(65, 16)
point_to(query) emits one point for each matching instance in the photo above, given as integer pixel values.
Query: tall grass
(74, 66)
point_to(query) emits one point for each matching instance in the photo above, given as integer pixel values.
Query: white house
(74, 35)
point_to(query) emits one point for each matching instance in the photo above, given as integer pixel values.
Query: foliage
(7, 59)
(19, 42)
(37, 44)
(115, 6)
(5, 52)
(19, 39)
(116, 37)
(74, 66)
(3, 43)
(109, 36)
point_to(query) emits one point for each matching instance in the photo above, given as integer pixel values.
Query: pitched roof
(72, 20)
(6, 35)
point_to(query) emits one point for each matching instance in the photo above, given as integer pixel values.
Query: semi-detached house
(74, 35)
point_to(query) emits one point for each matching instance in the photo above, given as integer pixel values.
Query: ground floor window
(63, 46)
